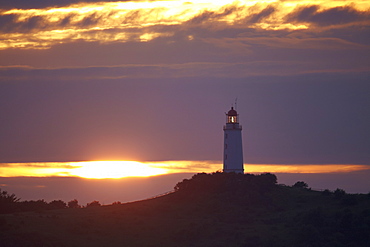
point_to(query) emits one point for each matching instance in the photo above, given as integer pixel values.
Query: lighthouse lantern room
(233, 149)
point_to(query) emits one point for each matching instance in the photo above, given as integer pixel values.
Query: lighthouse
(233, 149)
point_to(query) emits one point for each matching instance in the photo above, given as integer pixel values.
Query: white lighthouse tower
(233, 149)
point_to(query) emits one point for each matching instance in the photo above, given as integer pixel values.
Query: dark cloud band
(26, 4)
(332, 16)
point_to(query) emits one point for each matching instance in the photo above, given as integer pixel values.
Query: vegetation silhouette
(93, 204)
(73, 204)
(300, 184)
(218, 209)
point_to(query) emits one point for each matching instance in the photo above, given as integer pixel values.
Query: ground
(207, 210)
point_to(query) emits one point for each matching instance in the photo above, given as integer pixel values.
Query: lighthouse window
(225, 146)
(225, 136)
(232, 119)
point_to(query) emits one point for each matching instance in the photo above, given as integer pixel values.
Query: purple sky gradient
(296, 119)
(303, 95)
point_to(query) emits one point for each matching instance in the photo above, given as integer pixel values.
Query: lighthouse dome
(232, 112)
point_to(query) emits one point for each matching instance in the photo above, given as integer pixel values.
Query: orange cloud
(121, 169)
(142, 21)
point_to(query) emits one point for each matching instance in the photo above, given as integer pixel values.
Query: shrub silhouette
(240, 189)
(339, 193)
(219, 182)
(57, 204)
(349, 200)
(93, 204)
(73, 204)
(300, 184)
(33, 205)
(326, 192)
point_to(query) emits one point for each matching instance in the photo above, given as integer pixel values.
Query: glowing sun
(115, 169)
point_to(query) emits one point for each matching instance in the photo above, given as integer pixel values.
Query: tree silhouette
(5, 197)
(8, 202)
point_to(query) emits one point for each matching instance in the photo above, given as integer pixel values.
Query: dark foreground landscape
(208, 210)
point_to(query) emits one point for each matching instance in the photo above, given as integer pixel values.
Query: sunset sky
(150, 81)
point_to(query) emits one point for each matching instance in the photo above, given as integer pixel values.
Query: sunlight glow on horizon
(114, 169)
(142, 21)
(123, 169)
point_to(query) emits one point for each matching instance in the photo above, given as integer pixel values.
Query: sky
(150, 81)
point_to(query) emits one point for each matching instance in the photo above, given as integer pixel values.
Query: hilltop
(207, 210)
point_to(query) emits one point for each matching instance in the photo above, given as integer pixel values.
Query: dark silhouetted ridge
(219, 209)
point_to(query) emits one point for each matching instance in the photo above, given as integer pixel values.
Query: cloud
(80, 75)
(26, 4)
(184, 70)
(121, 169)
(20, 22)
(258, 17)
(211, 16)
(106, 22)
(333, 16)
(322, 43)
(227, 53)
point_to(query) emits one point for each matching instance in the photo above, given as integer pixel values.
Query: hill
(207, 210)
